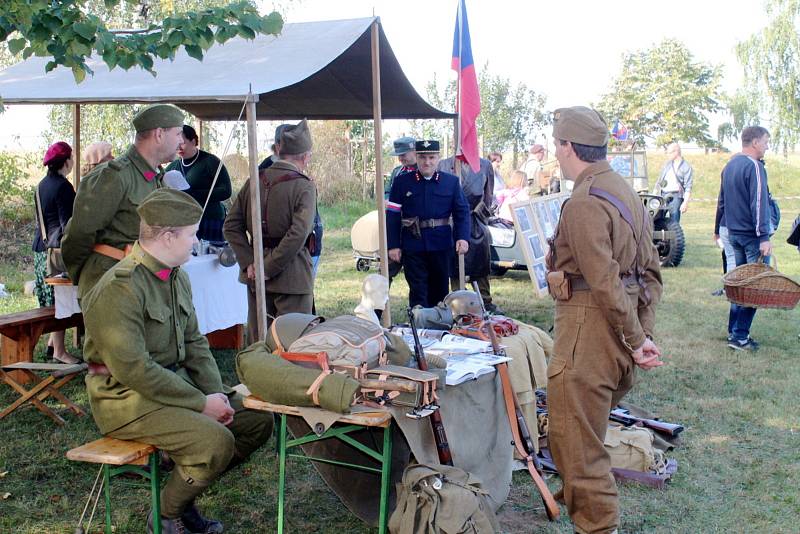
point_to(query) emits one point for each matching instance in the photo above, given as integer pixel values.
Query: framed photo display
(535, 221)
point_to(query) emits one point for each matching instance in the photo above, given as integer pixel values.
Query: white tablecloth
(219, 299)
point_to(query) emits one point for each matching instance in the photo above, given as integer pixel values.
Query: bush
(16, 191)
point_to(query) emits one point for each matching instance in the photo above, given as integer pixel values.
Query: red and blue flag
(468, 100)
(620, 131)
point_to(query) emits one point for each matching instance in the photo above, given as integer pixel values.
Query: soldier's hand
(765, 247)
(395, 254)
(251, 272)
(218, 408)
(647, 356)
(462, 246)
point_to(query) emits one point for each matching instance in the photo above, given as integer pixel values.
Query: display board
(535, 221)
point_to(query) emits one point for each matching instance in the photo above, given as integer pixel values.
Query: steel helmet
(463, 302)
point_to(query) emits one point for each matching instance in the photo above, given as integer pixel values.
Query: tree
(663, 94)
(743, 108)
(771, 62)
(69, 31)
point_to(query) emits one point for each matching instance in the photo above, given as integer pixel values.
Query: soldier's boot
(197, 524)
(178, 494)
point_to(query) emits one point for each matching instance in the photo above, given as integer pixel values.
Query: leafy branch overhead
(69, 33)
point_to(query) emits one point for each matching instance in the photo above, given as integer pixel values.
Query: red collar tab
(149, 175)
(435, 176)
(163, 274)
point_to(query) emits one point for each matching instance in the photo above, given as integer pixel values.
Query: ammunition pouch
(558, 285)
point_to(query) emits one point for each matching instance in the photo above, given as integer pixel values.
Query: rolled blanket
(275, 380)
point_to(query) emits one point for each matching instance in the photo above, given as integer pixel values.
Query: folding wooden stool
(58, 374)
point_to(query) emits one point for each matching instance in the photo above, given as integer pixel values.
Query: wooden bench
(117, 457)
(58, 374)
(19, 333)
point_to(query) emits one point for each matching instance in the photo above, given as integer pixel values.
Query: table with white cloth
(220, 301)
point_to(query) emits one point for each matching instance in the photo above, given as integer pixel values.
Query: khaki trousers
(589, 373)
(201, 448)
(277, 305)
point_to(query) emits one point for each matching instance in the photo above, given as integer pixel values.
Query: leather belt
(578, 283)
(111, 252)
(433, 223)
(101, 369)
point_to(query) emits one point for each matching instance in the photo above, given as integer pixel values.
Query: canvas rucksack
(631, 447)
(441, 500)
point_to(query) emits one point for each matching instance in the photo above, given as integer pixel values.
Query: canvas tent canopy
(341, 69)
(318, 70)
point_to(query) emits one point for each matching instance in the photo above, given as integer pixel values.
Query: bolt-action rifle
(519, 428)
(439, 435)
(618, 415)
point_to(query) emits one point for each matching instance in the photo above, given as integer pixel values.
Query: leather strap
(550, 505)
(433, 223)
(111, 252)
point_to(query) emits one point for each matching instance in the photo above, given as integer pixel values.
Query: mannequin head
(375, 291)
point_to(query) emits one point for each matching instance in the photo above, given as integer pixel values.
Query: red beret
(57, 150)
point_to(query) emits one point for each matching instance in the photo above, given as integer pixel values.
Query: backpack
(353, 345)
(441, 499)
(631, 447)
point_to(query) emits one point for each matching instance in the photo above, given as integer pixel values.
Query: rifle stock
(439, 435)
(621, 416)
(520, 432)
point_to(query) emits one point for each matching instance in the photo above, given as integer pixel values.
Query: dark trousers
(674, 208)
(741, 318)
(427, 274)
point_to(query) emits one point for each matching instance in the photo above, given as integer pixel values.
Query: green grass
(739, 464)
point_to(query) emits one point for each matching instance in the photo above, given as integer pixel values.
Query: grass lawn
(739, 466)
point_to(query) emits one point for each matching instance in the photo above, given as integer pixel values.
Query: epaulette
(124, 271)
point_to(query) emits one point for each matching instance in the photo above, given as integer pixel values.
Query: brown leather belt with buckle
(433, 223)
(111, 252)
(578, 283)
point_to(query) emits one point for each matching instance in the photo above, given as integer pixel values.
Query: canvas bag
(353, 344)
(52, 244)
(631, 447)
(441, 499)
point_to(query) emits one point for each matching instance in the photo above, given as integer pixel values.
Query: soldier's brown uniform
(290, 208)
(609, 314)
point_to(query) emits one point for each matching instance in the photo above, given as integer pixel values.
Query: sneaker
(717, 293)
(730, 338)
(748, 344)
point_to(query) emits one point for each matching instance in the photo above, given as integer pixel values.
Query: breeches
(201, 447)
(589, 373)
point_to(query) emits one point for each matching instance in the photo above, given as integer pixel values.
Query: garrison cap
(427, 146)
(158, 116)
(296, 139)
(581, 125)
(169, 207)
(403, 146)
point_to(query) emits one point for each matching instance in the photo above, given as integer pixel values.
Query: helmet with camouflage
(463, 302)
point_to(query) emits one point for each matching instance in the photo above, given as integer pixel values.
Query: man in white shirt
(675, 181)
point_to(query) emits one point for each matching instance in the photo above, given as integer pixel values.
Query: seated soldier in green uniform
(151, 375)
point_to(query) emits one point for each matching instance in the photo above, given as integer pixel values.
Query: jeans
(674, 207)
(740, 318)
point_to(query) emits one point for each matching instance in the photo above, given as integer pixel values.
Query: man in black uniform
(418, 226)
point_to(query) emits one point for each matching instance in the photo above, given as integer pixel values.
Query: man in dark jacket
(478, 189)
(745, 210)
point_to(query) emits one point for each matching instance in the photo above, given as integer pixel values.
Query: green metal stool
(119, 457)
(348, 423)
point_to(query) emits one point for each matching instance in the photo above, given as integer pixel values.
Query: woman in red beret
(55, 196)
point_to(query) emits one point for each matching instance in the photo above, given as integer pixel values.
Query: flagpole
(458, 93)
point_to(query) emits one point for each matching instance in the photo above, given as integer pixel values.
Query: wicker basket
(758, 285)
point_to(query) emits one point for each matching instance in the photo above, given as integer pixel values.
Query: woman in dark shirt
(57, 196)
(199, 168)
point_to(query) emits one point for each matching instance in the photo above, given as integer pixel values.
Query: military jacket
(400, 169)
(105, 213)
(438, 198)
(141, 324)
(595, 242)
(290, 207)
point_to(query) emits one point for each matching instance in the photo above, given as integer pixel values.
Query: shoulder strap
(268, 184)
(42, 227)
(617, 203)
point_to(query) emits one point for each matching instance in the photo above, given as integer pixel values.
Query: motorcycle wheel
(362, 265)
(671, 251)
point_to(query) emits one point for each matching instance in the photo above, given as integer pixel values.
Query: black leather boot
(168, 526)
(197, 524)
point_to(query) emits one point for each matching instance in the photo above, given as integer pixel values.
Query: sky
(568, 50)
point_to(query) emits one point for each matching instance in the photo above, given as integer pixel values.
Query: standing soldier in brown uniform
(604, 275)
(151, 375)
(104, 220)
(288, 205)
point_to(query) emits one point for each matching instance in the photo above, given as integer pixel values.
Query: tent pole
(201, 134)
(255, 217)
(386, 317)
(76, 145)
